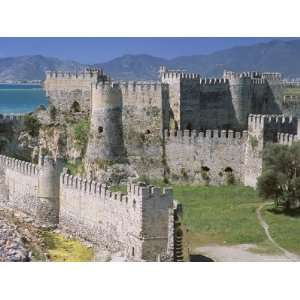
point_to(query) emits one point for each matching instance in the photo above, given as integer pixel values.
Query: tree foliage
(280, 179)
(32, 125)
(81, 133)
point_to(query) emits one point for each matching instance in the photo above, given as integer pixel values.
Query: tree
(280, 178)
(32, 125)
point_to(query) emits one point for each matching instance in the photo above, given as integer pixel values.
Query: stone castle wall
(21, 179)
(264, 129)
(31, 188)
(64, 89)
(144, 114)
(138, 224)
(205, 157)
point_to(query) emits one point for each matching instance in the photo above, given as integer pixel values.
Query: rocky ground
(19, 238)
(12, 247)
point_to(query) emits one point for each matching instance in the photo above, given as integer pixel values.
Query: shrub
(32, 125)
(280, 179)
(81, 133)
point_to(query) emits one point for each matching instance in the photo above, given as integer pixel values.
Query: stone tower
(184, 93)
(106, 131)
(48, 189)
(241, 93)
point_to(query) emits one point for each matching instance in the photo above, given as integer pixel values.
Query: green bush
(280, 179)
(32, 125)
(81, 133)
(75, 168)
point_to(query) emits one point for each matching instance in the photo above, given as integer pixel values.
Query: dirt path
(244, 252)
(290, 256)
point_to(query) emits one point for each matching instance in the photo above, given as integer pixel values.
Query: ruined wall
(205, 157)
(137, 224)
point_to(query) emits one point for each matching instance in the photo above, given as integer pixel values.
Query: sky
(97, 50)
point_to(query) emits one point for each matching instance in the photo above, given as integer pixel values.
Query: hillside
(279, 56)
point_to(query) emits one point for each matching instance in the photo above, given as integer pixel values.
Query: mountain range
(274, 56)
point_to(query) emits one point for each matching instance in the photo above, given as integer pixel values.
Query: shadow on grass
(199, 258)
(285, 211)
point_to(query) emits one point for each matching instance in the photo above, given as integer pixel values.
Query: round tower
(48, 189)
(241, 94)
(106, 131)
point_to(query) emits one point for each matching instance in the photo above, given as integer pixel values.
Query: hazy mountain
(33, 67)
(279, 56)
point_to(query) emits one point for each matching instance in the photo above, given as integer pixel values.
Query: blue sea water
(21, 98)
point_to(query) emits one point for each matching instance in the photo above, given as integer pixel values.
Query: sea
(21, 98)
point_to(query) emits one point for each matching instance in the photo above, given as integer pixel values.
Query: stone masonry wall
(144, 114)
(21, 180)
(139, 224)
(135, 224)
(205, 157)
(64, 89)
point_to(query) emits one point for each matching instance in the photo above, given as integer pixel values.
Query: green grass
(76, 168)
(295, 91)
(284, 228)
(225, 214)
(119, 188)
(61, 249)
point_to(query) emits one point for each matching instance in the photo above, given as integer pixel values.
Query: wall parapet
(286, 138)
(207, 135)
(95, 74)
(20, 166)
(177, 74)
(272, 119)
(133, 86)
(258, 81)
(135, 192)
(8, 118)
(213, 81)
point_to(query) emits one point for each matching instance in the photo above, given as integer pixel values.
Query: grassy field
(284, 228)
(226, 215)
(295, 91)
(61, 249)
(220, 215)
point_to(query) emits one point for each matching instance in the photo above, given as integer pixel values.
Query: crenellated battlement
(135, 192)
(258, 81)
(132, 86)
(230, 75)
(205, 136)
(177, 74)
(9, 118)
(20, 166)
(286, 138)
(94, 74)
(270, 76)
(272, 119)
(214, 81)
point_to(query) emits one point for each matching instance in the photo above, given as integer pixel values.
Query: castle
(182, 128)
